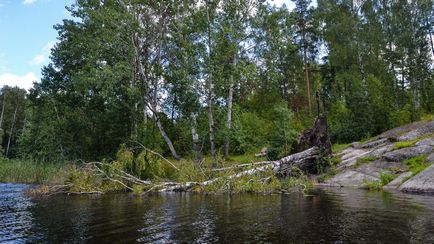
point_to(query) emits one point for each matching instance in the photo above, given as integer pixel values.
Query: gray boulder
(406, 153)
(374, 143)
(424, 129)
(350, 178)
(430, 158)
(420, 183)
(377, 167)
(426, 142)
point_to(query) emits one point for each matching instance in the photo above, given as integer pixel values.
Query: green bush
(386, 178)
(373, 185)
(401, 116)
(417, 164)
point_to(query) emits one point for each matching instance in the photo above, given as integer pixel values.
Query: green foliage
(332, 172)
(335, 160)
(365, 160)
(144, 166)
(373, 185)
(250, 132)
(125, 158)
(104, 87)
(82, 180)
(427, 117)
(13, 106)
(244, 158)
(339, 147)
(22, 171)
(285, 133)
(403, 144)
(273, 153)
(386, 178)
(401, 116)
(340, 123)
(417, 164)
(189, 172)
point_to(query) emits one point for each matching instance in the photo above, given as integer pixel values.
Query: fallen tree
(303, 160)
(122, 174)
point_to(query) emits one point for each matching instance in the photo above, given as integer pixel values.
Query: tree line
(187, 77)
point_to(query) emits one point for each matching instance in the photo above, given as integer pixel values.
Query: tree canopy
(186, 77)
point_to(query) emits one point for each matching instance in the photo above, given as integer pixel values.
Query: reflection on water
(328, 216)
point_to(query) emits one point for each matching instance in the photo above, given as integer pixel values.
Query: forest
(212, 81)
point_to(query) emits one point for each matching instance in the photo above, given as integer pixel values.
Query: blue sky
(27, 34)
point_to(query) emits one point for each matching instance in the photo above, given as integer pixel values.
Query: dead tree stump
(317, 136)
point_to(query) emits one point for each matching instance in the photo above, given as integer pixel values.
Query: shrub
(386, 178)
(417, 164)
(401, 116)
(373, 185)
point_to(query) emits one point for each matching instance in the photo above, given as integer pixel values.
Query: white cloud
(37, 60)
(47, 48)
(42, 58)
(25, 82)
(28, 2)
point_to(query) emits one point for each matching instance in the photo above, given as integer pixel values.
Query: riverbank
(24, 171)
(84, 178)
(399, 159)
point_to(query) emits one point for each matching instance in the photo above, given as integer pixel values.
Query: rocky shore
(400, 159)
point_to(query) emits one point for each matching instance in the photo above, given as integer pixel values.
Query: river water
(325, 216)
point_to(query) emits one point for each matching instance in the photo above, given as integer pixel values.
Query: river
(325, 216)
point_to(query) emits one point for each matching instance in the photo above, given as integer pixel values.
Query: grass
(244, 158)
(328, 175)
(338, 147)
(404, 144)
(364, 160)
(20, 171)
(386, 178)
(375, 185)
(411, 143)
(417, 164)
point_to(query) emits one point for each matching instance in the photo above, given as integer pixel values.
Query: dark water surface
(328, 216)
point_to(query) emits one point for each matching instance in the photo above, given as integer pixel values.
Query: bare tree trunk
(195, 137)
(165, 136)
(229, 119)
(430, 36)
(3, 110)
(12, 128)
(211, 124)
(210, 97)
(153, 101)
(306, 72)
(1, 122)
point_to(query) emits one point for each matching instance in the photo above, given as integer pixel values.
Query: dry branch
(155, 153)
